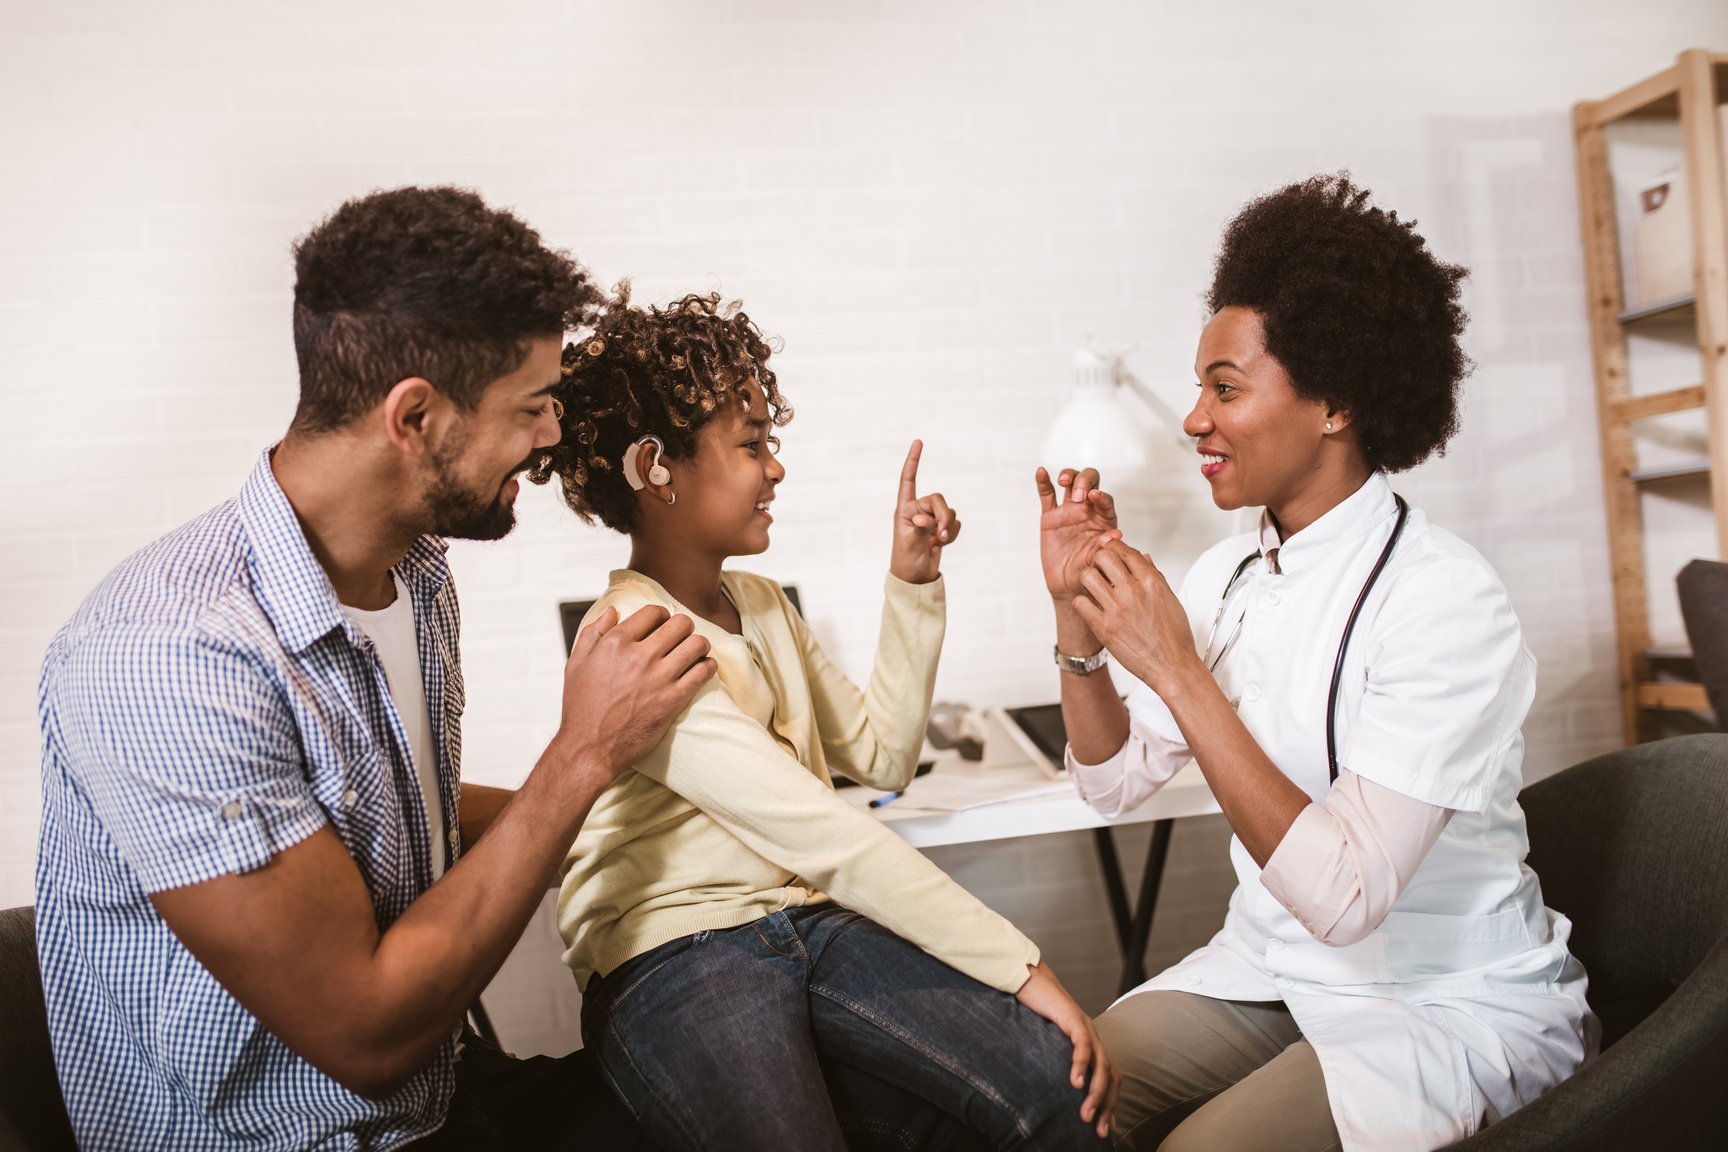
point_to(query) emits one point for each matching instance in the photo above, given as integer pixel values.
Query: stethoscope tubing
(1343, 642)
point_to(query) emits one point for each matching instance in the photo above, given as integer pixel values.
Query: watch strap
(1081, 665)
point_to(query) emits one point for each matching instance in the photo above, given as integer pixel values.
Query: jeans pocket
(617, 985)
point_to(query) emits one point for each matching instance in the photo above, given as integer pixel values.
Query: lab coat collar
(1351, 518)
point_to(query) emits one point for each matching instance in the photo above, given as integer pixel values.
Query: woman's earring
(671, 499)
(1328, 425)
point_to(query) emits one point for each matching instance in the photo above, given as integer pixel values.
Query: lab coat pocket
(1363, 962)
(1425, 944)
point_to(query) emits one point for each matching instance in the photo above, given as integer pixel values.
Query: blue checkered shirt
(207, 707)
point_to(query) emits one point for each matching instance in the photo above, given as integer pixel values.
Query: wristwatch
(1081, 665)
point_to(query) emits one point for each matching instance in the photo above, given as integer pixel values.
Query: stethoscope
(1343, 643)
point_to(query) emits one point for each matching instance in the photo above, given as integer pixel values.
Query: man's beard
(455, 511)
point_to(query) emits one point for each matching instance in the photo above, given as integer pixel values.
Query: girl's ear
(643, 463)
(645, 469)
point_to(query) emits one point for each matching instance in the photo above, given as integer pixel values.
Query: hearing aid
(658, 473)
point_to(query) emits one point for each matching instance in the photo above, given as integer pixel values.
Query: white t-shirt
(391, 630)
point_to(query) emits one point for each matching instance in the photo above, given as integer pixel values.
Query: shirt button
(1286, 982)
(231, 810)
(350, 798)
(1252, 692)
(1275, 945)
(1272, 599)
(1194, 978)
(453, 835)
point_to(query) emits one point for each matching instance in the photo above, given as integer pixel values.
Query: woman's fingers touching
(1097, 585)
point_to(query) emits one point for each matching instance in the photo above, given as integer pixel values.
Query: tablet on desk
(1031, 732)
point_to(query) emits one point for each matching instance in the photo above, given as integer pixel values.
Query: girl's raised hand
(1071, 532)
(923, 526)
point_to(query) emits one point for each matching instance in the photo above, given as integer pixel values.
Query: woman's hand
(923, 526)
(1044, 994)
(1129, 606)
(1072, 532)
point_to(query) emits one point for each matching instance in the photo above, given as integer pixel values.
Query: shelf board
(1656, 95)
(1672, 696)
(1674, 308)
(1659, 403)
(1673, 652)
(1671, 472)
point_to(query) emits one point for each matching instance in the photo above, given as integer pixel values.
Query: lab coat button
(1194, 978)
(1286, 982)
(1275, 945)
(1272, 599)
(1252, 692)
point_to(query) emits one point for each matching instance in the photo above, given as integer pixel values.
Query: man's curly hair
(663, 372)
(428, 282)
(1356, 308)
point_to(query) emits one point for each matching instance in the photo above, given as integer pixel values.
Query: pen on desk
(886, 798)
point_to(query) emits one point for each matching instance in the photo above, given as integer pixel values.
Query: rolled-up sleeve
(186, 751)
(1342, 865)
(1144, 763)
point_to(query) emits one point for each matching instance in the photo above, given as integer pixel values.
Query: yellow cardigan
(733, 815)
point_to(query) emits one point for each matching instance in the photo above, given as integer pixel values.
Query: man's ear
(406, 411)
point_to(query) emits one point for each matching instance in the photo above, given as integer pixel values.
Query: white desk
(1185, 795)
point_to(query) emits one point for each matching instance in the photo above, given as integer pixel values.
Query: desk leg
(1110, 866)
(1132, 935)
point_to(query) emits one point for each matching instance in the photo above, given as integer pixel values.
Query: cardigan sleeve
(874, 736)
(728, 765)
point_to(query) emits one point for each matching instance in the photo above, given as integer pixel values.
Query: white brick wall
(931, 204)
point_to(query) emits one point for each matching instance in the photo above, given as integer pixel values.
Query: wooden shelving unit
(1689, 93)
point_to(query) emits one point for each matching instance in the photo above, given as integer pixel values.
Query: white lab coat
(1464, 1004)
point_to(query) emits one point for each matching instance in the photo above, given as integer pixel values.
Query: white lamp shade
(1098, 429)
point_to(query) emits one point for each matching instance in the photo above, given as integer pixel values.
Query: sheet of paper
(956, 791)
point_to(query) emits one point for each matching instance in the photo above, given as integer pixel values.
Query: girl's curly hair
(655, 371)
(1356, 308)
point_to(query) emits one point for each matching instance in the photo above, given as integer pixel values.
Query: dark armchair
(1633, 847)
(32, 1118)
(1703, 586)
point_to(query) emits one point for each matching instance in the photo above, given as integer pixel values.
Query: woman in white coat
(1387, 976)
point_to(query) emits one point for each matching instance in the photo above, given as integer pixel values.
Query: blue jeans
(733, 1039)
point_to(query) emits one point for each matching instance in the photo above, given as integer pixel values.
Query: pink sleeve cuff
(1143, 764)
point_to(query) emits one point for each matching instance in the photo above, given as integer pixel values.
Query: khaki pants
(1202, 1074)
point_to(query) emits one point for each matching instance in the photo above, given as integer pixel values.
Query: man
(257, 922)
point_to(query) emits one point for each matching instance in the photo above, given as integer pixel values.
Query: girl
(743, 936)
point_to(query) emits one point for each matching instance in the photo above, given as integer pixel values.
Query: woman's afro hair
(650, 371)
(1356, 308)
